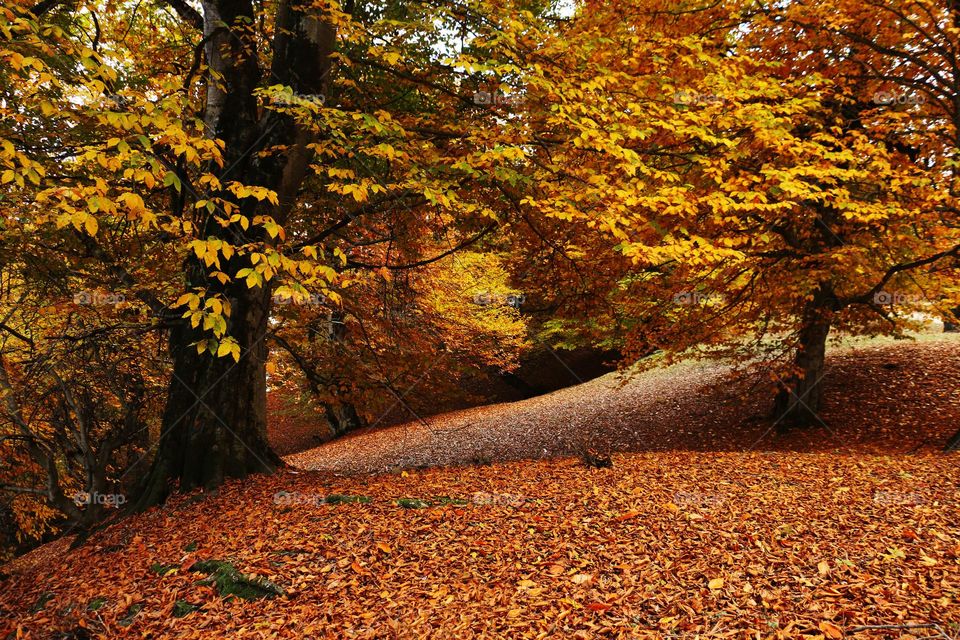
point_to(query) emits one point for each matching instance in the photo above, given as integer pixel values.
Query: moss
(336, 498)
(162, 569)
(42, 601)
(96, 603)
(130, 614)
(229, 581)
(183, 608)
(413, 503)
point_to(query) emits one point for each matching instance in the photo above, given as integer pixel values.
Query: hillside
(882, 397)
(814, 535)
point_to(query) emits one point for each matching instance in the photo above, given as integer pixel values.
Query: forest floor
(881, 396)
(708, 525)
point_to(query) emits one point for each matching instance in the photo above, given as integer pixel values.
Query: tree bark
(951, 326)
(215, 421)
(342, 416)
(799, 399)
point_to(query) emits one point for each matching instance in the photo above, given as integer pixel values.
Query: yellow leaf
(716, 583)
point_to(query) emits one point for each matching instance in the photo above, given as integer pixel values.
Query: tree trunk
(953, 444)
(341, 415)
(343, 418)
(215, 420)
(951, 326)
(799, 400)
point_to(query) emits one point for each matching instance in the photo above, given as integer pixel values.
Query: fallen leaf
(831, 630)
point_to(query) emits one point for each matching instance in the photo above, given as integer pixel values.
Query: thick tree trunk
(799, 400)
(215, 421)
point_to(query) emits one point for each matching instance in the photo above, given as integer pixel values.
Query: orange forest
(479, 319)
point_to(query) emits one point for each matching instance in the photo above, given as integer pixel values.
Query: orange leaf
(626, 516)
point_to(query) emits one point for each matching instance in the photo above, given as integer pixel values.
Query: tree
(338, 182)
(226, 157)
(762, 196)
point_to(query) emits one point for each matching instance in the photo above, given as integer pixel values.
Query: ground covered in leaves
(671, 543)
(881, 396)
(716, 544)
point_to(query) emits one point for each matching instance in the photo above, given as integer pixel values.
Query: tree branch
(421, 263)
(187, 13)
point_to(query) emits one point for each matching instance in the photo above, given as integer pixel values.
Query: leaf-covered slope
(881, 397)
